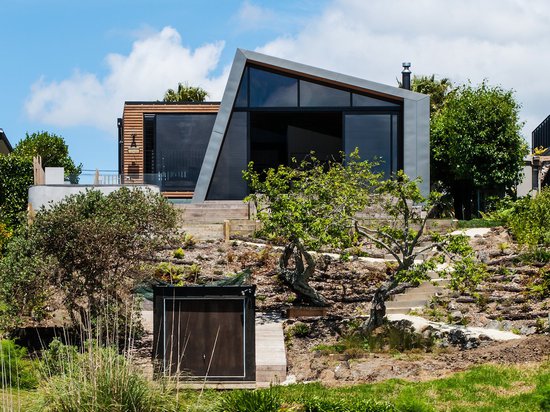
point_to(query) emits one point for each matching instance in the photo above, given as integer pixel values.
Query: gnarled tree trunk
(296, 278)
(378, 308)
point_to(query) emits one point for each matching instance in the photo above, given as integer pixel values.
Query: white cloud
(157, 61)
(253, 17)
(505, 41)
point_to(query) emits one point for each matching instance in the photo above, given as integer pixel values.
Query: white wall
(48, 195)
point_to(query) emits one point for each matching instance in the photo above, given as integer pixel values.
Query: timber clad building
(272, 110)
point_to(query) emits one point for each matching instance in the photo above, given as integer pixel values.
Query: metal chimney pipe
(406, 73)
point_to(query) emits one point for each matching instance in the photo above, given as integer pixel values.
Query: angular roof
(5, 146)
(244, 57)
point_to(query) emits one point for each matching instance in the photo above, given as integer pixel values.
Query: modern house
(536, 170)
(5, 146)
(272, 110)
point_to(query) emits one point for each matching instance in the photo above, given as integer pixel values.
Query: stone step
(398, 311)
(406, 302)
(270, 354)
(213, 211)
(204, 231)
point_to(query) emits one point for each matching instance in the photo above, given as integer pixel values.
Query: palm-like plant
(185, 93)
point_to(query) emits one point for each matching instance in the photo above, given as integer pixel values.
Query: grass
(479, 222)
(482, 388)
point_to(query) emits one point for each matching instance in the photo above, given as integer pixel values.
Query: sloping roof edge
(5, 140)
(323, 74)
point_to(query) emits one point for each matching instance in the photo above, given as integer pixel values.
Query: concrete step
(398, 311)
(212, 211)
(406, 302)
(204, 231)
(270, 354)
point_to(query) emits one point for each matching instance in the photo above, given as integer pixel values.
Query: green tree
(16, 176)
(16, 171)
(96, 246)
(185, 93)
(438, 90)
(404, 237)
(308, 207)
(476, 145)
(24, 286)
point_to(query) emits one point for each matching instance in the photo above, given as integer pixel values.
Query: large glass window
(375, 136)
(272, 90)
(242, 95)
(180, 145)
(316, 95)
(360, 100)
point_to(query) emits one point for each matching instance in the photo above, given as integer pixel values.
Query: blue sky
(68, 66)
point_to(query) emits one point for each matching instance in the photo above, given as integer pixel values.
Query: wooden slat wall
(133, 125)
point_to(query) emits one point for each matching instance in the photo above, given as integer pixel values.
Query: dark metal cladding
(541, 134)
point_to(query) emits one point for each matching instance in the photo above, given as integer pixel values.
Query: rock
(326, 375)
(507, 325)
(483, 337)
(342, 370)
(460, 338)
(528, 330)
(494, 324)
(483, 257)
(290, 380)
(456, 315)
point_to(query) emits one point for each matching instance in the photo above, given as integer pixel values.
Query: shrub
(317, 404)
(17, 369)
(300, 330)
(250, 401)
(466, 275)
(529, 221)
(179, 253)
(57, 359)
(101, 380)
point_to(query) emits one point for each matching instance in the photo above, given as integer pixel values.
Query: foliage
(540, 286)
(101, 380)
(299, 329)
(95, 246)
(188, 241)
(438, 90)
(16, 176)
(476, 142)
(17, 370)
(250, 401)
(16, 171)
(179, 253)
(24, 287)
(529, 219)
(5, 235)
(310, 206)
(466, 275)
(408, 213)
(52, 149)
(185, 93)
(57, 359)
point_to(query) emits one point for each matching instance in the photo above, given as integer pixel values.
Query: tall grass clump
(98, 379)
(17, 369)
